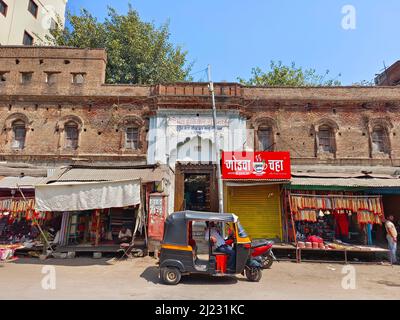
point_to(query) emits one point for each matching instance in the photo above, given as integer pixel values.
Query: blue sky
(236, 35)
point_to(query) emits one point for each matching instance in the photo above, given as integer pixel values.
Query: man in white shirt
(391, 237)
(212, 234)
(125, 235)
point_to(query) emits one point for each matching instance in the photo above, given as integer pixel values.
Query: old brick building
(50, 90)
(390, 76)
(55, 109)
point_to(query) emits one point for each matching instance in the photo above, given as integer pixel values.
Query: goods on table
(336, 246)
(7, 251)
(315, 239)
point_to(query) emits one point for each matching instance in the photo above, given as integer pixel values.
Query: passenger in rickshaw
(192, 242)
(219, 244)
(231, 235)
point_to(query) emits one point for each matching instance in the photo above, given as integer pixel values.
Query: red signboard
(256, 165)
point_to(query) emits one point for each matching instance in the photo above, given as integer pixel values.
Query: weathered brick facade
(101, 112)
(390, 76)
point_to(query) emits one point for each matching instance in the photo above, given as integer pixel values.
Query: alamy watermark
(349, 20)
(49, 280)
(349, 279)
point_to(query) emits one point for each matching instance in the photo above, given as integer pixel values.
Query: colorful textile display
(366, 217)
(16, 205)
(306, 208)
(16, 209)
(306, 215)
(342, 225)
(63, 231)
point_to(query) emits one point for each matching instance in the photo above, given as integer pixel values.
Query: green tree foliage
(281, 75)
(138, 52)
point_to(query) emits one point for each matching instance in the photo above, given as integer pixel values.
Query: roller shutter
(258, 208)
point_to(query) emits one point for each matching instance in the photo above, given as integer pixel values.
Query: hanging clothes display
(367, 217)
(16, 205)
(307, 207)
(17, 208)
(342, 225)
(64, 229)
(306, 215)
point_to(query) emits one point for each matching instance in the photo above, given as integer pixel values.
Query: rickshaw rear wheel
(170, 275)
(253, 274)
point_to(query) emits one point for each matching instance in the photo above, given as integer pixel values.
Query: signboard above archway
(256, 165)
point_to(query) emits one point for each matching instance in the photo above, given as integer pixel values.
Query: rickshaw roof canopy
(176, 224)
(205, 216)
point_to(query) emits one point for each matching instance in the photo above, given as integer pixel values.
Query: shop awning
(346, 182)
(79, 196)
(16, 170)
(98, 174)
(344, 171)
(23, 182)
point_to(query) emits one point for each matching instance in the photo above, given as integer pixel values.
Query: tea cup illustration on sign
(259, 165)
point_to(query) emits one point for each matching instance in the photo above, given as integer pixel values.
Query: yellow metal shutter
(258, 208)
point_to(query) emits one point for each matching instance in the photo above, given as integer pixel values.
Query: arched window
(132, 138)
(265, 139)
(71, 131)
(326, 139)
(132, 129)
(379, 139)
(19, 134)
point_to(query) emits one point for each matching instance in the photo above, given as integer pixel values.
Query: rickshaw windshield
(242, 233)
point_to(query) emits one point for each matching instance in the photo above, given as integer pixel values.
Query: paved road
(86, 278)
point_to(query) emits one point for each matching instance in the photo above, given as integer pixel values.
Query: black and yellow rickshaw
(178, 254)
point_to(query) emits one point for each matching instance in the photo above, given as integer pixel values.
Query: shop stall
(336, 215)
(253, 184)
(391, 201)
(25, 231)
(22, 228)
(102, 208)
(93, 213)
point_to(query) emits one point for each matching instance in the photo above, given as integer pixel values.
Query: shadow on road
(76, 262)
(151, 274)
(389, 283)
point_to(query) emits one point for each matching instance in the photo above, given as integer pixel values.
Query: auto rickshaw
(178, 254)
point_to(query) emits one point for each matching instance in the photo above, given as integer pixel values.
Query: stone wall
(102, 111)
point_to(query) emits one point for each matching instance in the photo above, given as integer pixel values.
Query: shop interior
(197, 192)
(99, 227)
(23, 229)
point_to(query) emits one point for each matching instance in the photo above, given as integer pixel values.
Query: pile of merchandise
(18, 231)
(7, 252)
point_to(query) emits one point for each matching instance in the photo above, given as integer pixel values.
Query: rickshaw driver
(218, 241)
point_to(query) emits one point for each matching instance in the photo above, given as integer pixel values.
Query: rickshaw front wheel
(170, 275)
(253, 274)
